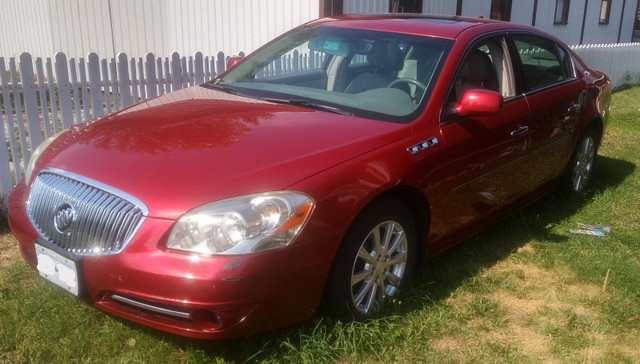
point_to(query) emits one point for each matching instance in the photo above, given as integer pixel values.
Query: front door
(484, 155)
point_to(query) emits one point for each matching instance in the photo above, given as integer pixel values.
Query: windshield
(379, 75)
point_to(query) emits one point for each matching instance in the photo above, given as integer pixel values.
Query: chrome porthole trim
(424, 145)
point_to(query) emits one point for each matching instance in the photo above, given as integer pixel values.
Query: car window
(486, 65)
(379, 75)
(544, 62)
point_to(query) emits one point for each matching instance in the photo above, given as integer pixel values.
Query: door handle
(520, 131)
(574, 107)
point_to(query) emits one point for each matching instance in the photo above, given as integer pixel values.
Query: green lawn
(527, 290)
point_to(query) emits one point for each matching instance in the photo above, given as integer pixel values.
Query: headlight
(242, 225)
(35, 155)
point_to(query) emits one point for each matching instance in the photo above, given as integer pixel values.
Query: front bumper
(197, 296)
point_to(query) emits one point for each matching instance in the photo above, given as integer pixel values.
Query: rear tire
(374, 262)
(579, 170)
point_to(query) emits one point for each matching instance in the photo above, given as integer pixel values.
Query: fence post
(17, 100)
(6, 183)
(151, 83)
(143, 87)
(176, 72)
(125, 82)
(75, 89)
(114, 84)
(207, 69)
(52, 97)
(185, 72)
(94, 85)
(167, 75)
(84, 90)
(44, 97)
(221, 65)
(199, 68)
(134, 82)
(191, 78)
(64, 90)
(161, 83)
(296, 61)
(212, 68)
(13, 142)
(30, 102)
(95, 88)
(106, 85)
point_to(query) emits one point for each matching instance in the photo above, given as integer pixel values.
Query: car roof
(433, 25)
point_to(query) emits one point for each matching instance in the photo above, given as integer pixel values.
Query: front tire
(374, 262)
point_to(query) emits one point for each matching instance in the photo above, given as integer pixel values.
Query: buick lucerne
(317, 169)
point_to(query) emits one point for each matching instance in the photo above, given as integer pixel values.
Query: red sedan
(320, 166)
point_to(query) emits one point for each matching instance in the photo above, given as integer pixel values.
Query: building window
(636, 26)
(405, 6)
(501, 10)
(605, 10)
(562, 12)
(331, 7)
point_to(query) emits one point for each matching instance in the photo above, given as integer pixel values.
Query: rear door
(554, 95)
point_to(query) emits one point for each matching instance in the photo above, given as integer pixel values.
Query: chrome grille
(83, 216)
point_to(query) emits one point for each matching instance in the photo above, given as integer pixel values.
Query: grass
(526, 290)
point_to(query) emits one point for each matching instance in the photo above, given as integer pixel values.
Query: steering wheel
(409, 81)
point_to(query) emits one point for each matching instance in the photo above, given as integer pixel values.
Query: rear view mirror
(330, 45)
(479, 102)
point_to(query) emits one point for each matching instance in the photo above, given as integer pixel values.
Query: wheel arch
(409, 200)
(598, 124)
(593, 118)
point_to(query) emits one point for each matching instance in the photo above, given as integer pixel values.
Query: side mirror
(479, 102)
(233, 60)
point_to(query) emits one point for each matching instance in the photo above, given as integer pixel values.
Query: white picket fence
(43, 96)
(620, 61)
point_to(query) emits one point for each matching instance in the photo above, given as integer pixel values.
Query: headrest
(477, 67)
(385, 55)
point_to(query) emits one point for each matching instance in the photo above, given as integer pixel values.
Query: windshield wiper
(308, 105)
(221, 87)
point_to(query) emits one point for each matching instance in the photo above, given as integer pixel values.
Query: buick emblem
(65, 215)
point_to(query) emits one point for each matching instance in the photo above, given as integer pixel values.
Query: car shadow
(444, 273)
(436, 278)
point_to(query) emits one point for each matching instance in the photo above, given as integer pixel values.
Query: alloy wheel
(379, 267)
(583, 164)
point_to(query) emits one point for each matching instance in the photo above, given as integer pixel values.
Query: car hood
(198, 145)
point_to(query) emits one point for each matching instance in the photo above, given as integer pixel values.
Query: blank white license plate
(57, 269)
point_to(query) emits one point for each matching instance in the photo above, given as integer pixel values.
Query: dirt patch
(9, 251)
(542, 305)
(529, 248)
(446, 343)
(545, 315)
